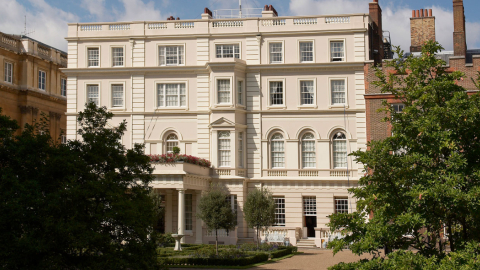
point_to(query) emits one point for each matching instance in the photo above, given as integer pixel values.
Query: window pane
(339, 151)
(307, 92)
(161, 56)
(224, 149)
(240, 92)
(240, 149)
(117, 57)
(63, 87)
(309, 206)
(41, 80)
(278, 151)
(279, 211)
(171, 55)
(306, 51)
(228, 51)
(276, 53)
(308, 151)
(92, 94)
(172, 141)
(93, 57)
(337, 51)
(338, 91)
(117, 95)
(276, 93)
(341, 205)
(8, 72)
(171, 95)
(223, 91)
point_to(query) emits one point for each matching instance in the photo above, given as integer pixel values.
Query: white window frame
(269, 105)
(220, 150)
(155, 93)
(335, 206)
(99, 85)
(344, 49)
(44, 82)
(240, 93)
(270, 153)
(330, 96)
(300, 52)
(8, 78)
(112, 59)
(315, 92)
(397, 106)
(167, 141)
(279, 214)
(333, 149)
(309, 206)
(240, 150)
(184, 59)
(111, 95)
(269, 60)
(302, 151)
(63, 86)
(87, 63)
(189, 213)
(239, 44)
(217, 103)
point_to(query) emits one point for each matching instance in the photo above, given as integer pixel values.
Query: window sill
(307, 107)
(223, 106)
(281, 107)
(342, 61)
(118, 66)
(171, 109)
(117, 109)
(93, 66)
(276, 63)
(338, 106)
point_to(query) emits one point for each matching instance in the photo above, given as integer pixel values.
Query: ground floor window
(188, 212)
(232, 200)
(341, 205)
(309, 206)
(279, 211)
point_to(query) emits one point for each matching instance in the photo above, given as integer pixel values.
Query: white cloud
(95, 8)
(49, 23)
(396, 19)
(137, 10)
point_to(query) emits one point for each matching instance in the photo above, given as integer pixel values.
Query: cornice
(31, 92)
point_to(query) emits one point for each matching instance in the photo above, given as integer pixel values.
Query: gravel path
(315, 259)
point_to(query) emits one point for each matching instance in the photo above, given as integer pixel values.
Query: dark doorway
(311, 224)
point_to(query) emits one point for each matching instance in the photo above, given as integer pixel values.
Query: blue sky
(49, 18)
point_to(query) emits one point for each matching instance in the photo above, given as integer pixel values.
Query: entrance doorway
(310, 215)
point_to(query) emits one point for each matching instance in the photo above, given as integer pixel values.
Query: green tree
(426, 176)
(216, 212)
(259, 210)
(80, 205)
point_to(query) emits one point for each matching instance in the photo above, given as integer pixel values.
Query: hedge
(261, 257)
(283, 251)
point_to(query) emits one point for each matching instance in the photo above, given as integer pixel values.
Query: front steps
(306, 243)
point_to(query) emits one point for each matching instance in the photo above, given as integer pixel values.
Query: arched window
(171, 142)
(224, 149)
(277, 148)
(308, 151)
(339, 150)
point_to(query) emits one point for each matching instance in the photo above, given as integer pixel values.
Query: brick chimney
(376, 43)
(422, 29)
(459, 37)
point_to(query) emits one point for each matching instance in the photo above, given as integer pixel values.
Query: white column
(198, 226)
(168, 212)
(181, 212)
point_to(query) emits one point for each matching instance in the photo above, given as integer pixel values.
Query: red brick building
(422, 27)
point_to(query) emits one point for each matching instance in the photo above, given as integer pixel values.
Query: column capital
(181, 189)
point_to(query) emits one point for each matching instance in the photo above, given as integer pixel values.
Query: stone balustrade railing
(217, 24)
(345, 19)
(319, 173)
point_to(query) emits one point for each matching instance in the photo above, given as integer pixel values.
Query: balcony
(180, 168)
(220, 26)
(340, 174)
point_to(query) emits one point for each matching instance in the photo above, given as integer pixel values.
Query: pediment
(222, 122)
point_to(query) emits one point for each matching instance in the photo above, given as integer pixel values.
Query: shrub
(261, 257)
(164, 240)
(173, 158)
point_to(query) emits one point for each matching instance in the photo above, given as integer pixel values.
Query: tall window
(338, 91)
(223, 87)
(309, 206)
(339, 150)
(171, 142)
(279, 211)
(93, 95)
(63, 87)
(93, 55)
(8, 72)
(171, 95)
(278, 151)
(224, 148)
(337, 51)
(42, 78)
(188, 212)
(228, 51)
(308, 151)
(117, 56)
(341, 205)
(117, 95)
(276, 93)
(276, 52)
(306, 51)
(240, 92)
(307, 91)
(232, 200)
(171, 55)
(240, 149)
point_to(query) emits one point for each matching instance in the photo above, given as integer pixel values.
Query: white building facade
(274, 102)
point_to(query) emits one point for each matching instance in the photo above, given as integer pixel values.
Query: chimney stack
(459, 37)
(422, 29)
(375, 12)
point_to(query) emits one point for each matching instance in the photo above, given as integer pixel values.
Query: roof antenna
(25, 33)
(240, 6)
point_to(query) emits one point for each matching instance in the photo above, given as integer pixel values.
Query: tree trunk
(450, 237)
(258, 238)
(216, 241)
